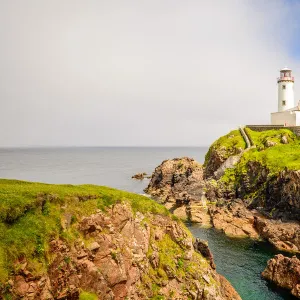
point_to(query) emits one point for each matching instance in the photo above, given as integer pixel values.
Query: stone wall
(294, 129)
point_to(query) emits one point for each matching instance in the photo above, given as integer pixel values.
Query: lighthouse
(285, 90)
(288, 114)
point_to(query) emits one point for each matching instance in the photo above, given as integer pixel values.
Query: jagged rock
(278, 195)
(177, 183)
(234, 219)
(176, 180)
(284, 139)
(284, 272)
(269, 143)
(117, 264)
(202, 247)
(284, 236)
(94, 246)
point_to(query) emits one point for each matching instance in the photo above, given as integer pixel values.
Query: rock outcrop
(284, 236)
(141, 176)
(221, 150)
(176, 183)
(180, 186)
(124, 255)
(202, 247)
(278, 195)
(234, 219)
(284, 272)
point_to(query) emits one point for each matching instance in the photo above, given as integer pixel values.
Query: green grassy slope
(277, 157)
(31, 214)
(228, 145)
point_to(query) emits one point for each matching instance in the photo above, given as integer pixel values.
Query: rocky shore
(251, 193)
(180, 185)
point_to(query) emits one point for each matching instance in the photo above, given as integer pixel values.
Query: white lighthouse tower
(288, 113)
(285, 90)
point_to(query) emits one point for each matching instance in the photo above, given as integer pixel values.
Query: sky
(141, 72)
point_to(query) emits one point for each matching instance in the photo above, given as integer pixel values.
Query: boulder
(284, 236)
(284, 272)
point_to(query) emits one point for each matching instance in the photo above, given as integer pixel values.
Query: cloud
(140, 72)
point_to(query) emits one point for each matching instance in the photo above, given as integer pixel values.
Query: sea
(241, 261)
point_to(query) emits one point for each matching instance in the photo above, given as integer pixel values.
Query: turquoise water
(241, 261)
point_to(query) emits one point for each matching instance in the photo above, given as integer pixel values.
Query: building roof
(296, 108)
(285, 69)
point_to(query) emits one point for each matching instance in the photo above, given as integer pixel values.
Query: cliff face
(229, 145)
(176, 183)
(191, 197)
(124, 256)
(267, 176)
(257, 196)
(123, 251)
(247, 198)
(285, 272)
(278, 193)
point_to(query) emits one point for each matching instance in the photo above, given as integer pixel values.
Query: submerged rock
(284, 272)
(141, 176)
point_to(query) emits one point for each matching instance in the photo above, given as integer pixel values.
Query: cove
(241, 261)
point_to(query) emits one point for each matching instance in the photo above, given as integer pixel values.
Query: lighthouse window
(283, 87)
(283, 102)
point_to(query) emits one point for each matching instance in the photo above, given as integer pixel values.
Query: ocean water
(107, 166)
(240, 261)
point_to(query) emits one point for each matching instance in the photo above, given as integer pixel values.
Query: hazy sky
(134, 72)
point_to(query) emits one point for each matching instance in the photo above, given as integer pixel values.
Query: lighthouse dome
(285, 69)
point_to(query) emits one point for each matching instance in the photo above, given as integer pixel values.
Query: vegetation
(229, 144)
(31, 214)
(260, 139)
(275, 150)
(87, 296)
(276, 157)
(172, 262)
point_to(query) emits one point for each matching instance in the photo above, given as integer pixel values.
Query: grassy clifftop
(275, 149)
(31, 214)
(93, 242)
(229, 144)
(226, 146)
(267, 175)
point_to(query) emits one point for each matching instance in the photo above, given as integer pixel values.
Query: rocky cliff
(256, 194)
(285, 272)
(102, 244)
(264, 185)
(225, 147)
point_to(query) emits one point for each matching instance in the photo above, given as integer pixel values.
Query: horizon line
(106, 146)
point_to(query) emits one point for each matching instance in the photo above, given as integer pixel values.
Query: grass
(259, 139)
(87, 296)
(228, 144)
(32, 214)
(273, 159)
(276, 158)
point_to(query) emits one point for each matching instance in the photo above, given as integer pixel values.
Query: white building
(288, 114)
